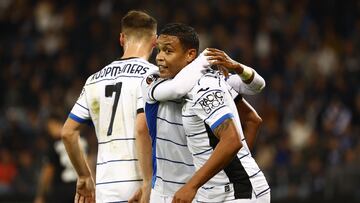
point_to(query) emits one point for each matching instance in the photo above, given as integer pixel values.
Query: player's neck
(140, 50)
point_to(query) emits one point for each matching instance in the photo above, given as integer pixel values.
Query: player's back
(113, 98)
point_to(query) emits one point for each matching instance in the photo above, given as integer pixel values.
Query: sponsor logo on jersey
(212, 100)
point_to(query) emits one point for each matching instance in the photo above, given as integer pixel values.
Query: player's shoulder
(136, 67)
(212, 81)
(152, 78)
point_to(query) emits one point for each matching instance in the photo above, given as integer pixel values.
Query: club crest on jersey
(151, 78)
(212, 100)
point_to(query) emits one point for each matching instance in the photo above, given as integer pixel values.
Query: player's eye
(168, 51)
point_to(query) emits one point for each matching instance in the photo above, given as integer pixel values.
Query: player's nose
(159, 58)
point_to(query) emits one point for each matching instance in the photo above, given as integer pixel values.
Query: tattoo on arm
(222, 127)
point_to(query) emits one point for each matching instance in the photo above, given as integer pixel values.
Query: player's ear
(153, 41)
(191, 55)
(122, 39)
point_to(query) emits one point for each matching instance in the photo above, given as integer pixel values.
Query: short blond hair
(138, 24)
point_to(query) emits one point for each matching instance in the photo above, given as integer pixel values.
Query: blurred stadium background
(308, 51)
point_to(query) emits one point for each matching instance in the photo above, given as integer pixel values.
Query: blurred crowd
(307, 51)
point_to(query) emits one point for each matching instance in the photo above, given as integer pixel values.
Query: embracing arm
(254, 85)
(229, 144)
(182, 83)
(246, 81)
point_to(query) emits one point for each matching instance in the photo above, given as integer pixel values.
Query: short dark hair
(187, 35)
(138, 24)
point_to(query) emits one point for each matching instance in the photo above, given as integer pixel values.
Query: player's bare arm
(229, 144)
(85, 187)
(251, 121)
(144, 152)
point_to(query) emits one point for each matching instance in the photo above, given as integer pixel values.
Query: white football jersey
(172, 161)
(207, 105)
(110, 100)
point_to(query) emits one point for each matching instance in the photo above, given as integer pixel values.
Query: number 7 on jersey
(109, 89)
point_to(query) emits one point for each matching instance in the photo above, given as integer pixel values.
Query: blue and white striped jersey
(207, 105)
(172, 161)
(110, 100)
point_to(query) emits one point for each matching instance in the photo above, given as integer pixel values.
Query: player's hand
(136, 197)
(85, 190)
(220, 58)
(185, 194)
(142, 195)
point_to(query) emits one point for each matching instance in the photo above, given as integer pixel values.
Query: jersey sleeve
(148, 85)
(139, 101)
(210, 102)
(80, 111)
(254, 87)
(182, 83)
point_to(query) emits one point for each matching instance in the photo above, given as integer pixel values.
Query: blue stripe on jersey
(163, 119)
(118, 139)
(220, 120)
(119, 160)
(172, 161)
(214, 112)
(78, 119)
(203, 152)
(262, 193)
(255, 174)
(167, 140)
(244, 155)
(82, 106)
(169, 181)
(188, 115)
(192, 135)
(119, 181)
(151, 111)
